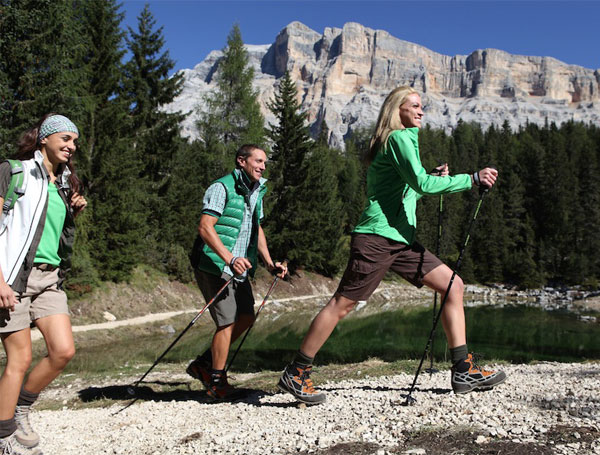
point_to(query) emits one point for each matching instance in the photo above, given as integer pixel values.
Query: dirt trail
(153, 317)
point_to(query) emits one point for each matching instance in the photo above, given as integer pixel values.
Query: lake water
(516, 334)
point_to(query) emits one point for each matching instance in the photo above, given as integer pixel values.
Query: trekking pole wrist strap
(476, 178)
(233, 259)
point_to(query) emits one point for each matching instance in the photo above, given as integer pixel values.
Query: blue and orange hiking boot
(296, 380)
(219, 388)
(468, 376)
(200, 369)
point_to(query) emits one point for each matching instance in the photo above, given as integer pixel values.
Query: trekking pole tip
(410, 401)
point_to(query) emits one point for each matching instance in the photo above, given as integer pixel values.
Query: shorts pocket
(360, 271)
(363, 267)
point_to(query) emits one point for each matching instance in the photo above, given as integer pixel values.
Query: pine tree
(149, 87)
(232, 115)
(41, 48)
(287, 168)
(582, 266)
(488, 237)
(352, 181)
(318, 223)
(157, 133)
(116, 201)
(517, 248)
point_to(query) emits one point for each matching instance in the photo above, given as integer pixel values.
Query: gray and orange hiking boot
(219, 388)
(25, 433)
(11, 446)
(200, 369)
(468, 376)
(296, 380)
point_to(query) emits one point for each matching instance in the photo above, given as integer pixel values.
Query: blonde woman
(36, 238)
(384, 239)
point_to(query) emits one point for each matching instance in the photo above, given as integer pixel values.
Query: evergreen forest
(144, 182)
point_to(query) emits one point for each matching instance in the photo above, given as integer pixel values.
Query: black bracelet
(476, 178)
(233, 259)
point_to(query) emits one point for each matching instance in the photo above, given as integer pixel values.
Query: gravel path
(360, 416)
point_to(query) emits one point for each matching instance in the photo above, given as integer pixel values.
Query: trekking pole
(131, 389)
(277, 277)
(435, 294)
(482, 192)
(438, 242)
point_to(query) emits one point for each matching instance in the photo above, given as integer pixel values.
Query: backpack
(15, 187)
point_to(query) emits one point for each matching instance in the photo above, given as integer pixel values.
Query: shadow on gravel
(146, 393)
(446, 442)
(143, 392)
(435, 391)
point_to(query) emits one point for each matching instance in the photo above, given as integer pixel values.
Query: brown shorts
(42, 298)
(371, 256)
(236, 299)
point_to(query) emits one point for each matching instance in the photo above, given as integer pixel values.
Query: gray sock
(458, 353)
(303, 360)
(26, 398)
(7, 427)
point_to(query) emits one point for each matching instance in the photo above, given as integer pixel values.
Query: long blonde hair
(388, 120)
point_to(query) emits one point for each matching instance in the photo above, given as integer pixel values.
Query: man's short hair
(245, 151)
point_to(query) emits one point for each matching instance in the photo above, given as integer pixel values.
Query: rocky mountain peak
(344, 74)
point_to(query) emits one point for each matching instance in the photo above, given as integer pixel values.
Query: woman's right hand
(8, 299)
(488, 176)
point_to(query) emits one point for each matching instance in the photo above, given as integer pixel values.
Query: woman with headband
(36, 239)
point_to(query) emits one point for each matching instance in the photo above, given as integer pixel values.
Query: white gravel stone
(533, 399)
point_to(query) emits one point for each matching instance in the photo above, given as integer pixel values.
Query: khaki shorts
(42, 298)
(371, 256)
(236, 299)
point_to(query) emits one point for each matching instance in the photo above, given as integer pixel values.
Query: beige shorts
(42, 298)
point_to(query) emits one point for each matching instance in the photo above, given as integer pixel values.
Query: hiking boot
(11, 446)
(296, 380)
(200, 369)
(25, 433)
(219, 388)
(468, 376)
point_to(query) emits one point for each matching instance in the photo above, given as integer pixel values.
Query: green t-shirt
(396, 179)
(47, 251)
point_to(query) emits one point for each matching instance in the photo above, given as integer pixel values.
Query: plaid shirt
(214, 204)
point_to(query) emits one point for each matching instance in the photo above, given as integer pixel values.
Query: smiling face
(411, 111)
(254, 164)
(58, 147)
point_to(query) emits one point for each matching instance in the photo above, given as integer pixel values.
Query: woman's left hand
(78, 203)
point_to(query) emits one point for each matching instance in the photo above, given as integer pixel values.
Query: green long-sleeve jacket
(396, 179)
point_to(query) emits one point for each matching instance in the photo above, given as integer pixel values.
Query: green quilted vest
(228, 227)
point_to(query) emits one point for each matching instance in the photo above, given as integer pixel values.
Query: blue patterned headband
(56, 124)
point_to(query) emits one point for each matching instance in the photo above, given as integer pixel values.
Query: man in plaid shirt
(229, 241)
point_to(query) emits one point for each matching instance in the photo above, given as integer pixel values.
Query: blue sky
(566, 30)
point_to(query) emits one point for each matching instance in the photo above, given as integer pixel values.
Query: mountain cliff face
(343, 76)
